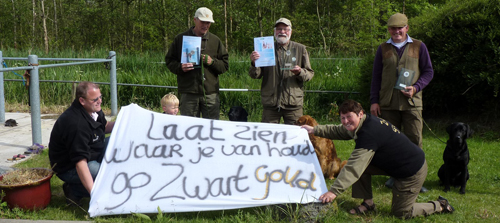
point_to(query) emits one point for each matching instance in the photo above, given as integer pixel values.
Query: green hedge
(463, 39)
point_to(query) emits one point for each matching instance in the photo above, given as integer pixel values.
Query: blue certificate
(191, 47)
(265, 47)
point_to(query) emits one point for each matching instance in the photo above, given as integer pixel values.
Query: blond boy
(170, 104)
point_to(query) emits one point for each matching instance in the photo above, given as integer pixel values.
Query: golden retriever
(325, 150)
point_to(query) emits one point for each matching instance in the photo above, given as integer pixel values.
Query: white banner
(183, 164)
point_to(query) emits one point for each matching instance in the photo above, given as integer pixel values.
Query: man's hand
(187, 67)
(208, 60)
(409, 91)
(254, 56)
(309, 128)
(375, 109)
(296, 70)
(327, 197)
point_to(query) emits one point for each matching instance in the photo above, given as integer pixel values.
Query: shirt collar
(94, 116)
(286, 46)
(399, 45)
(355, 133)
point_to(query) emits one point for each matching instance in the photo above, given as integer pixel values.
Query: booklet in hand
(191, 47)
(405, 78)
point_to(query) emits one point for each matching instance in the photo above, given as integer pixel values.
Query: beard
(281, 38)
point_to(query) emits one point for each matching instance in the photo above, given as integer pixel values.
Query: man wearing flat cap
(402, 69)
(199, 86)
(282, 88)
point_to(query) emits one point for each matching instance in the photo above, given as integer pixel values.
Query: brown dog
(325, 150)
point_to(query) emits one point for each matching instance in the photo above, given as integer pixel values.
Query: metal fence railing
(34, 87)
(34, 90)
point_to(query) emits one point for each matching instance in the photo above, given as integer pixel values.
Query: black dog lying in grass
(454, 171)
(237, 113)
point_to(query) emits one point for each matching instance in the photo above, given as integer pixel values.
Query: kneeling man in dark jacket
(381, 149)
(78, 143)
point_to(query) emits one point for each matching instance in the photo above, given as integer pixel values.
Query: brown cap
(397, 20)
(204, 14)
(284, 21)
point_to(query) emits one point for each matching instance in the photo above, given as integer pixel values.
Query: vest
(391, 98)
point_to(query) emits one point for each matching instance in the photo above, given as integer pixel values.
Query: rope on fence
(5, 65)
(106, 64)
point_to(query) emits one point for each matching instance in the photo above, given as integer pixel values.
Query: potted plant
(27, 188)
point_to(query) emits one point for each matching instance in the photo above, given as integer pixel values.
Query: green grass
(479, 204)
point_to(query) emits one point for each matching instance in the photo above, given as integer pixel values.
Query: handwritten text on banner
(183, 164)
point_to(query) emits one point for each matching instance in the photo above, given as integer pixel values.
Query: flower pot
(28, 196)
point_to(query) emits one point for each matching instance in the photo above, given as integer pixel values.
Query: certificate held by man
(265, 47)
(191, 47)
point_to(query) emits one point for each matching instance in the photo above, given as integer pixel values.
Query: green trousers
(196, 105)
(274, 115)
(404, 193)
(409, 122)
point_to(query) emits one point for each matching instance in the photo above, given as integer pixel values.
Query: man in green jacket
(282, 88)
(199, 86)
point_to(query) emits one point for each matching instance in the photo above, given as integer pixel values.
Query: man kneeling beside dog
(381, 149)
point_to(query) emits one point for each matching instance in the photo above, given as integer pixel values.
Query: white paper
(265, 47)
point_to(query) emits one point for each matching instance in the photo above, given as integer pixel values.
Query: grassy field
(479, 204)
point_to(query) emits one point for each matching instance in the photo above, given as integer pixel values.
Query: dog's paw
(462, 191)
(446, 189)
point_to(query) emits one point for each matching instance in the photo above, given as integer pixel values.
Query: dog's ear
(469, 131)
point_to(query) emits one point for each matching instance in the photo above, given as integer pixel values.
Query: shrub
(463, 38)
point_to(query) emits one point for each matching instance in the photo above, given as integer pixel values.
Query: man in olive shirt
(381, 149)
(282, 88)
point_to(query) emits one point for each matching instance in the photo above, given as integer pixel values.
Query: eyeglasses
(283, 29)
(95, 99)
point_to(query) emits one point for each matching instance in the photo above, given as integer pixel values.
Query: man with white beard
(282, 88)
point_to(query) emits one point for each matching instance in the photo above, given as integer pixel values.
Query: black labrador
(454, 171)
(237, 113)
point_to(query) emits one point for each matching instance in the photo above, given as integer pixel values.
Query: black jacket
(76, 136)
(193, 82)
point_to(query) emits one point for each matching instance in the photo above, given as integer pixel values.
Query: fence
(34, 87)
(35, 93)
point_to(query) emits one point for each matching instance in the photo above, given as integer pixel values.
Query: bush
(463, 38)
